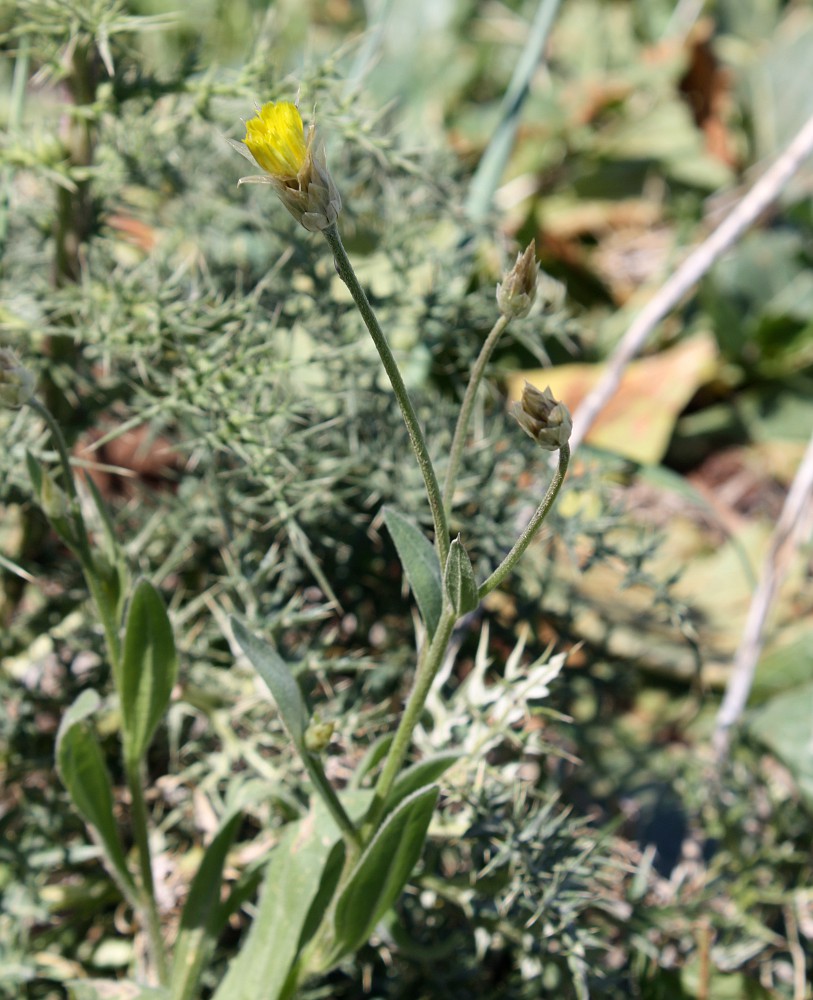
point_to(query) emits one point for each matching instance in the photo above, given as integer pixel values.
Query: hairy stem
(416, 436)
(428, 665)
(464, 417)
(525, 539)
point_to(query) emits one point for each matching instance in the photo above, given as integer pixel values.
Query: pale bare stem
(345, 271)
(464, 417)
(525, 539)
(149, 906)
(690, 271)
(793, 521)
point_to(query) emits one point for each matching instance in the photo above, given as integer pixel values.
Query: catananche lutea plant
(381, 847)
(334, 874)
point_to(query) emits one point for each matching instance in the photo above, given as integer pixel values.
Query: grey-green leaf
(420, 775)
(420, 565)
(383, 870)
(202, 914)
(461, 587)
(81, 767)
(149, 669)
(292, 880)
(281, 682)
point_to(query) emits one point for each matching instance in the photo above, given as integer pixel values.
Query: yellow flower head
(294, 165)
(276, 139)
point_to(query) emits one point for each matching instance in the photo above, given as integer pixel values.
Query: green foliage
(420, 565)
(82, 769)
(148, 670)
(378, 878)
(198, 318)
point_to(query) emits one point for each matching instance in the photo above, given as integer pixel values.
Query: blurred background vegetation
(211, 376)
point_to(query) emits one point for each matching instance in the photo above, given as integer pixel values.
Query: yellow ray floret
(276, 139)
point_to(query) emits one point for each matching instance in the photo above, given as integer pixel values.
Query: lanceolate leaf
(461, 587)
(420, 775)
(281, 682)
(420, 565)
(292, 880)
(202, 914)
(149, 668)
(383, 870)
(81, 767)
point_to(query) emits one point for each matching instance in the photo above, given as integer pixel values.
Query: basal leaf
(383, 870)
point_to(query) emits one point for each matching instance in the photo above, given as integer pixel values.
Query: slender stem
(106, 613)
(463, 418)
(334, 805)
(149, 907)
(428, 666)
(348, 276)
(522, 543)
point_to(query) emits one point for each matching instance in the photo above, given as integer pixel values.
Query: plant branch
(428, 665)
(464, 417)
(525, 539)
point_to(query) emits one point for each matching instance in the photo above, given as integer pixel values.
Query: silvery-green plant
(335, 873)
(347, 881)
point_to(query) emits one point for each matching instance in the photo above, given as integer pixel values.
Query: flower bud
(516, 293)
(16, 382)
(543, 417)
(318, 735)
(295, 167)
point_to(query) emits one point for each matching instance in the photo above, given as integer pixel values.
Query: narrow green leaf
(281, 682)
(283, 686)
(373, 756)
(81, 768)
(420, 565)
(149, 668)
(461, 587)
(419, 775)
(200, 921)
(383, 870)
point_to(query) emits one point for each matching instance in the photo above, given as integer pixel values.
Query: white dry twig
(798, 501)
(699, 261)
(793, 521)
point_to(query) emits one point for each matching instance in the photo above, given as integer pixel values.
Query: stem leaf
(420, 775)
(420, 565)
(280, 681)
(148, 670)
(461, 587)
(81, 767)
(383, 870)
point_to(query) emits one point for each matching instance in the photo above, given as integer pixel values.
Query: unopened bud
(52, 499)
(543, 417)
(516, 293)
(16, 382)
(318, 735)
